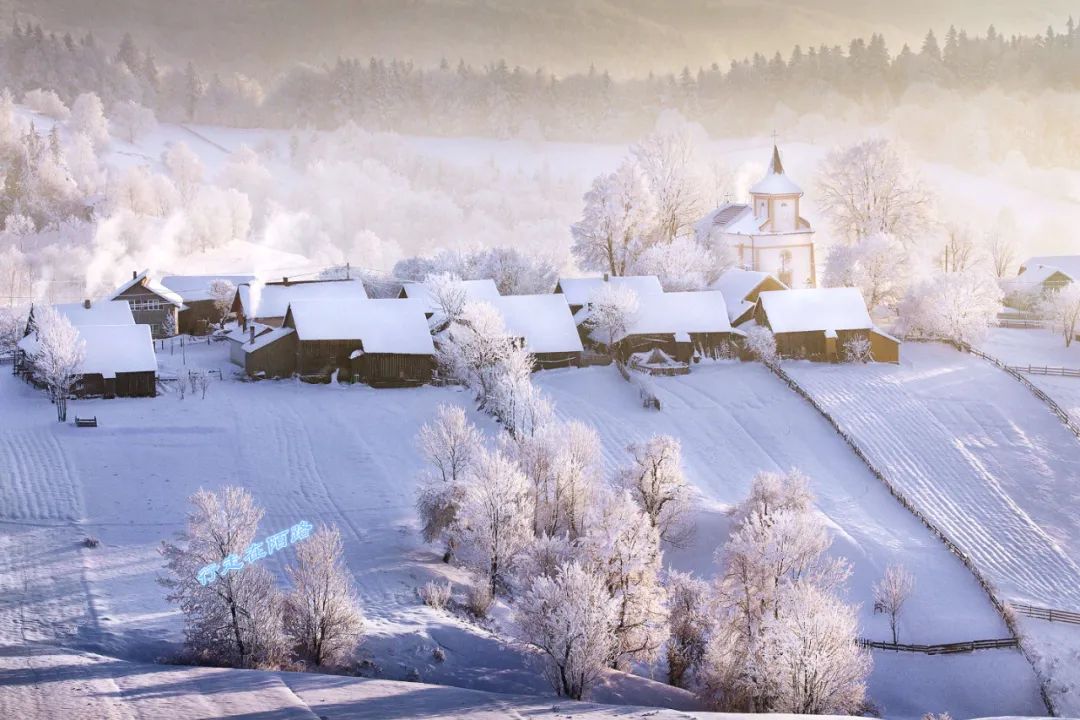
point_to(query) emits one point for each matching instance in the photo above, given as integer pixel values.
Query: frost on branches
(1061, 308)
(612, 309)
(890, 594)
(959, 307)
(761, 343)
(658, 485)
(450, 445)
(875, 264)
(222, 292)
(59, 355)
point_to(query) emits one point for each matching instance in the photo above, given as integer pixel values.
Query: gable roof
(737, 285)
(387, 325)
(544, 321)
(102, 312)
(476, 290)
(193, 288)
(157, 288)
(815, 309)
(677, 313)
(578, 291)
(260, 300)
(110, 349)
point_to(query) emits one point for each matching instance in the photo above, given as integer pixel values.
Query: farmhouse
(151, 303)
(119, 361)
(741, 289)
(381, 342)
(578, 291)
(266, 303)
(544, 326)
(196, 291)
(679, 324)
(767, 233)
(817, 323)
(473, 290)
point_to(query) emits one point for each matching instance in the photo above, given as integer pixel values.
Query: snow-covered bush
(762, 344)
(569, 618)
(168, 325)
(47, 103)
(479, 599)
(857, 349)
(450, 445)
(436, 594)
(957, 306)
(88, 117)
(322, 614)
(1061, 308)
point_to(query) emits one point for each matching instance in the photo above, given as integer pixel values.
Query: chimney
(86, 303)
(284, 281)
(606, 278)
(134, 274)
(251, 330)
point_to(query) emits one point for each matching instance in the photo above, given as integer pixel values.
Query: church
(767, 234)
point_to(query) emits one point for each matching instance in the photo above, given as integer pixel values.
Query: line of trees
(455, 98)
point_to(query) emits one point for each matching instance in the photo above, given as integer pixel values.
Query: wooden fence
(1044, 370)
(1022, 324)
(1050, 614)
(943, 649)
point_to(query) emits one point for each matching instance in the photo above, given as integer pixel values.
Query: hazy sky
(627, 36)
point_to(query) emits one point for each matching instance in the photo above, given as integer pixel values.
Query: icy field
(345, 455)
(985, 461)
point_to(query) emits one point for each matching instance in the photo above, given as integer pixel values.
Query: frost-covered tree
(12, 323)
(168, 325)
(88, 117)
(869, 188)
(323, 618)
(449, 294)
(960, 250)
(858, 349)
(47, 103)
(222, 292)
(954, 306)
(474, 349)
(618, 221)
(689, 623)
(684, 264)
(808, 657)
(623, 547)
(670, 160)
(612, 309)
(232, 616)
(82, 163)
(876, 264)
(569, 618)
(890, 594)
(186, 170)
(1061, 308)
(450, 444)
(657, 483)
(1000, 244)
(761, 343)
(494, 520)
(132, 120)
(58, 356)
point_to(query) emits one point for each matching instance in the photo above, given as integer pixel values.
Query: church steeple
(777, 167)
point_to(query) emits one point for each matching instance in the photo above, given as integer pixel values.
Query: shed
(678, 323)
(817, 323)
(200, 306)
(380, 342)
(545, 327)
(119, 360)
(578, 291)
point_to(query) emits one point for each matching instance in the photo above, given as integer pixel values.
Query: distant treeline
(503, 101)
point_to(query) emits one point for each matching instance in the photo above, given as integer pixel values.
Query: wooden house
(741, 289)
(103, 312)
(118, 361)
(383, 342)
(266, 303)
(578, 291)
(817, 323)
(200, 309)
(544, 326)
(151, 303)
(679, 324)
(263, 351)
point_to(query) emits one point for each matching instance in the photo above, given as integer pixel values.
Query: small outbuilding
(544, 326)
(818, 323)
(680, 324)
(263, 351)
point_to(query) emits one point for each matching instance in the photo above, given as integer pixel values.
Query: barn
(816, 323)
(383, 342)
(680, 324)
(151, 303)
(119, 361)
(741, 289)
(578, 291)
(200, 307)
(266, 303)
(544, 326)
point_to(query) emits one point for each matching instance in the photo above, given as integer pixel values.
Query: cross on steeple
(774, 136)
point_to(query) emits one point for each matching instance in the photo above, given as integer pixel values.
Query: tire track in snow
(37, 481)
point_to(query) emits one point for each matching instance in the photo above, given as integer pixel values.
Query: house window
(147, 305)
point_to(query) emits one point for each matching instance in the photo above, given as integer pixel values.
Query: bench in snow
(86, 422)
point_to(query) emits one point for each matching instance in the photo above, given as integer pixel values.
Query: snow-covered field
(986, 462)
(345, 455)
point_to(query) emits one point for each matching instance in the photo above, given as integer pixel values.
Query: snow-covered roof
(193, 288)
(263, 339)
(776, 181)
(110, 349)
(737, 285)
(721, 219)
(476, 290)
(101, 312)
(272, 300)
(680, 313)
(1067, 264)
(242, 335)
(815, 309)
(1031, 279)
(383, 326)
(579, 291)
(544, 321)
(155, 287)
